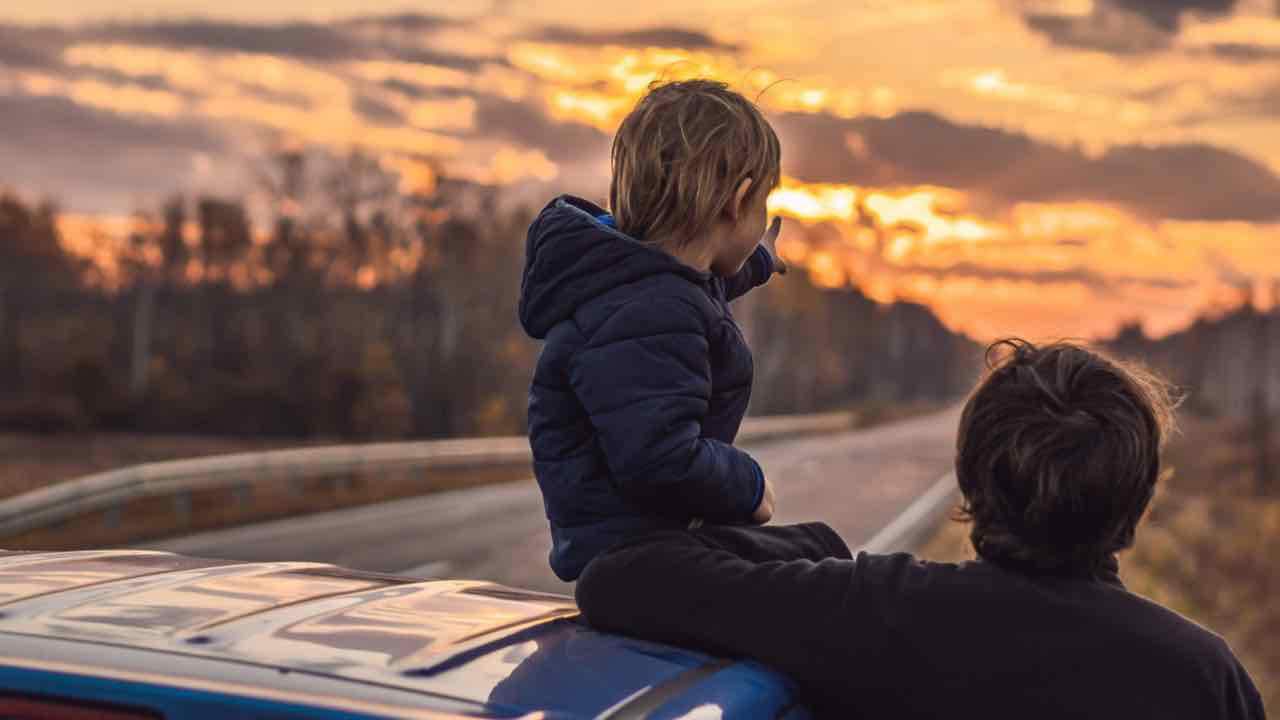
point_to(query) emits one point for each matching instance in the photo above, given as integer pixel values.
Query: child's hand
(764, 511)
(769, 241)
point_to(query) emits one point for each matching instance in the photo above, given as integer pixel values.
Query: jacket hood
(571, 257)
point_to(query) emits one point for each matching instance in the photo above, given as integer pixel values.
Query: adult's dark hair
(1058, 454)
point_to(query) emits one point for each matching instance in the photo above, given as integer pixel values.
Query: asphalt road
(855, 481)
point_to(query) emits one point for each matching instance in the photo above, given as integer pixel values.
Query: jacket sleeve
(644, 378)
(1241, 696)
(790, 614)
(755, 271)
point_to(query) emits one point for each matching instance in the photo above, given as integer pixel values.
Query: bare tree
(32, 264)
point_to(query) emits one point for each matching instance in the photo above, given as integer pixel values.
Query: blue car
(126, 634)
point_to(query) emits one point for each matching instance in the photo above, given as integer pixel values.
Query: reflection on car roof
(507, 651)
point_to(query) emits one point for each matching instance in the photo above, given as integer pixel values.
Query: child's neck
(698, 256)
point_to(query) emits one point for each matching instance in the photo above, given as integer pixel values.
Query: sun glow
(814, 201)
(599, 85)
(1029, 269)
(1040, 267)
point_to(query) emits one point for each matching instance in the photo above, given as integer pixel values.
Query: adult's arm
(644, 378)
(793, 615)
(1241, 696)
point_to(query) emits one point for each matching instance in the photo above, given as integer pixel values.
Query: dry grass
(870, 414)
(1207, 548)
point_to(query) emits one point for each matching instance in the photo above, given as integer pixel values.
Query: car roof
(494, 649)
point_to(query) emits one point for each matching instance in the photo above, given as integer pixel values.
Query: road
(855, 481)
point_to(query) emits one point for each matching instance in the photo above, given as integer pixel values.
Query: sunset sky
(1044, 167)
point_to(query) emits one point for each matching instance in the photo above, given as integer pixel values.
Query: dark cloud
(431, 57)
(1167, 14)
(377, 111)
(93, 160)
(1245, 52)
(1118, 33)
(407, 89)
(50, 123)
(909, 147)
(419, 92)
(527, 125)
(1123, 26)
(1193, 181)
(300, 40)
(657, 36)
(1169, 181)
(496, 117)
(31, 47)
(1089, 278)
(403, 37)
(370, 38)
(405, 22)
(1263, 103)
(148, 81)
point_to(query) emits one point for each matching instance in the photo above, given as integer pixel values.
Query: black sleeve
(1243, 700)
(755, 272)
(792, 615)
(814, 541)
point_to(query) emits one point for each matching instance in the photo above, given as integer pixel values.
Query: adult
(1057, 456)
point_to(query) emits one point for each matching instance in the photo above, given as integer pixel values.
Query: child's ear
(737, 206)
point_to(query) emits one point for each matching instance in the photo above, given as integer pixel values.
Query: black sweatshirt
(891, 636)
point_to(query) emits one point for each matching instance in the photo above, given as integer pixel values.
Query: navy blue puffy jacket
(640, 387)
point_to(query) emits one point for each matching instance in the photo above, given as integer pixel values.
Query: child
(644, 377)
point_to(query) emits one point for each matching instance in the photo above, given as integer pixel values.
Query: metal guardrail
(907, 531)
(103, 491)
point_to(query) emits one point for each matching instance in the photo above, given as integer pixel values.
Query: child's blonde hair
(680, 155)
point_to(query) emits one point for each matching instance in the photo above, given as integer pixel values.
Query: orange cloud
(1037, 268)
(504, 165)
(1040, 269)
(599, 85)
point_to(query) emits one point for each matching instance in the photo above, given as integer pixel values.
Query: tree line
(1225, 366)
(360, 310)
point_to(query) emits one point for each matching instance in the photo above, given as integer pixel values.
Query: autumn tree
(34, 266)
